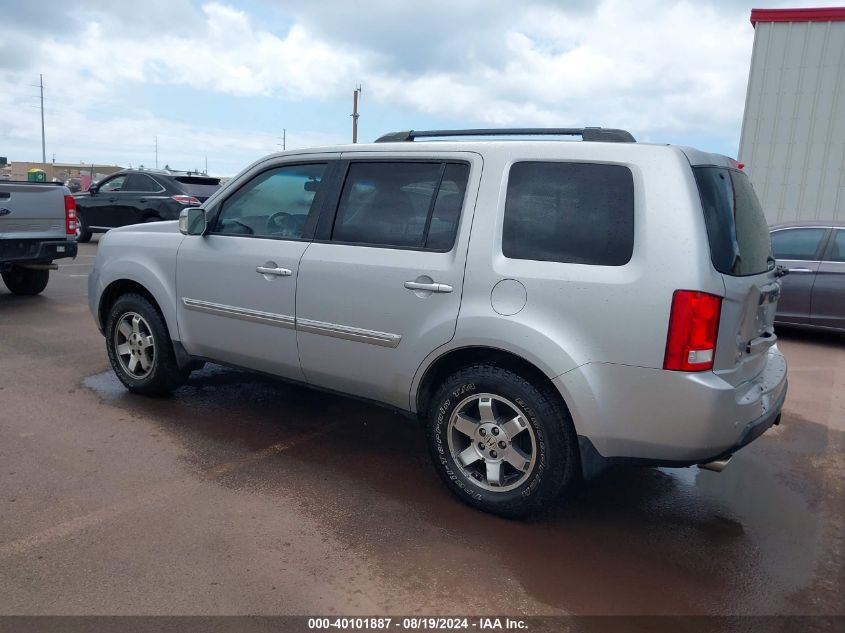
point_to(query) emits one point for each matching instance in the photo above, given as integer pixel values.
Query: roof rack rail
(609, 135)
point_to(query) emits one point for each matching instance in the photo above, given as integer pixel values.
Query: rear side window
(736, 226)
(797, 243)
(578, 213)
(837, 248)
(141, 183)
(199, 186)
(401, 204)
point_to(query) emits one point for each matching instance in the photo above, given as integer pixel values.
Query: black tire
(26, 281)
(82, 234)
(555, 444)
(164, 374)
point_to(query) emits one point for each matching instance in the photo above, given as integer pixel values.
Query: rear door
(31, 211)
(381, 286)
(140, 198)
(828, 303)
(799, 250)
(740, 249)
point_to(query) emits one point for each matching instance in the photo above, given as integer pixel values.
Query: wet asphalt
(244, 495)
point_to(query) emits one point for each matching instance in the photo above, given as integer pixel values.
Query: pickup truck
(37, 226)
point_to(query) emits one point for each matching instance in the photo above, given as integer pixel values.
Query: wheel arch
(120, 287)
(452, 360)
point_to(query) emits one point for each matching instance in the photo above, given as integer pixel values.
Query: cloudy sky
(223, 78)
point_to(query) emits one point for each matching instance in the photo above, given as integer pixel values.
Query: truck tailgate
(31, 211)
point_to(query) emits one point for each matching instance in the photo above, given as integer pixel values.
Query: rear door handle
(432, 287)
(800, 270)
(279, 272)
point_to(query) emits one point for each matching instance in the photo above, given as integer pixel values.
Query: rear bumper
(15, 251)
(635, 415)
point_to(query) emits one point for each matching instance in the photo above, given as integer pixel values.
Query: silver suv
(547, 308)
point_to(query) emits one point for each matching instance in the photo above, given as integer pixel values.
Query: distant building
(60, 171)
(793, 131)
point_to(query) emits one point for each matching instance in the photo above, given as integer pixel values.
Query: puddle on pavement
(636, 540)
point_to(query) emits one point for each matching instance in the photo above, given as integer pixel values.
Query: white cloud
(660, 69)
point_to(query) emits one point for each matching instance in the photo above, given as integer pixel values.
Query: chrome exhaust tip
(717, 466)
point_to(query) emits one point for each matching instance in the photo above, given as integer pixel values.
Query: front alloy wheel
(139, 347)
(135, 345)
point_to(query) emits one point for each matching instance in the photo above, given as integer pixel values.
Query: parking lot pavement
(240, 494)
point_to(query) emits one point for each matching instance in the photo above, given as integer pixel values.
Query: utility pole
(284, 138)
(206, 165)
(355, 95)
(43, 144)
(156, 152)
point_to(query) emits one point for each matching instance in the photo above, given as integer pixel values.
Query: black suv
(133, 196)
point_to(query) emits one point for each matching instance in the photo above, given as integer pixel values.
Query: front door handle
(113, 199)
(432, 287)
(800, 270)
(279, 272)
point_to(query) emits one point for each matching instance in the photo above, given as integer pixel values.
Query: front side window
(403, 204)
(797, 243)
(115, 184)
(577, 213)
(276, 203)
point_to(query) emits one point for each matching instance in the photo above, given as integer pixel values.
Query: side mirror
(192, 221)
(93, 189)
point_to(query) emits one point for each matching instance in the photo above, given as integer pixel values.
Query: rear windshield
(736, 227)
(201, 186)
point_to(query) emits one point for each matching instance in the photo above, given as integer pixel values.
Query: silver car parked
(547, 308)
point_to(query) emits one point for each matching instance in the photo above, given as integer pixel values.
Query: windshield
(736, 226)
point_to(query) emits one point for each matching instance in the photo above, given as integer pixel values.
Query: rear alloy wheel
(500, 443)
(82, 234)
(26, 281)
(139, 347)
(491, 442)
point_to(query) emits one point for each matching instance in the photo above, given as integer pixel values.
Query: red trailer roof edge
(820, 14)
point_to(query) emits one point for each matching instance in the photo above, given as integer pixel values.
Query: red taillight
(70, 215)
(187, 200)
(693, 327)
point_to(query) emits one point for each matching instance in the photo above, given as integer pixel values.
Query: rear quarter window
(736, 226)
(576, 213)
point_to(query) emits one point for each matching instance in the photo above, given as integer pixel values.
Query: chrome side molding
(384, 339)
(244, 314)
(359, 335)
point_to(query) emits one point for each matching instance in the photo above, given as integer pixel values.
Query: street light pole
(43, 143)
(355, 114)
